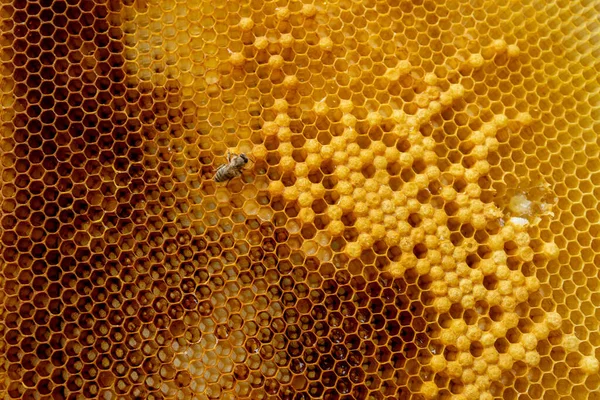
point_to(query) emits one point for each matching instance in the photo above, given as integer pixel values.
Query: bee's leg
(229, 180)
(229, 154)
(236, 174)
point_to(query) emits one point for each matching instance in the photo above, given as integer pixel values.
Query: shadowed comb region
(339, 200)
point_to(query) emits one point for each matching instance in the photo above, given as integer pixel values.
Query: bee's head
(244, 157)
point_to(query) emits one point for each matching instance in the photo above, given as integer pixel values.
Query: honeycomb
(418, 220)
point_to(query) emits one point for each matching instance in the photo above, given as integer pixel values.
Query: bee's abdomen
(223, 174)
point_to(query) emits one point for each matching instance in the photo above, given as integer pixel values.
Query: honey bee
(233, 167)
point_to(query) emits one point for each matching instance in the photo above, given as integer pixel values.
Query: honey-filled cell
(411, 211)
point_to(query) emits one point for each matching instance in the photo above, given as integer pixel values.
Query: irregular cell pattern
(419, 218)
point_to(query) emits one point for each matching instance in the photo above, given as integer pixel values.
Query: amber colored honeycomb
(419, 220)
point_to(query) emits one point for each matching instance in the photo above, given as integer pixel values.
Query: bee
(233, 167)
